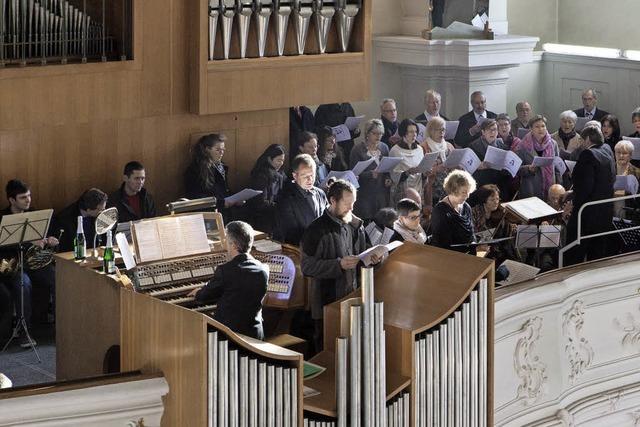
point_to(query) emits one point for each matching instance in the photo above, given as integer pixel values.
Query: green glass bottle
(109, 259)
(79, 242)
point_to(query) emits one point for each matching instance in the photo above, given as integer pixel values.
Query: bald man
(555, 197)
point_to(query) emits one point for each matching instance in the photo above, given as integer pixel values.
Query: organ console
(410, 348)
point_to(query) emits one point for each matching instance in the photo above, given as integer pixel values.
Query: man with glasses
(407, 227)
(590, 109)
(389, 117)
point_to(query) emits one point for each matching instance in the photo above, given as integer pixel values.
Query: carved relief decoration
(577, 348)
(631, 328)
(529, 368)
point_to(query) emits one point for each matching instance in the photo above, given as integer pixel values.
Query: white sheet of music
(531, 208)
(171, 239)
(194, 233)
(636, 146)
(148, 241)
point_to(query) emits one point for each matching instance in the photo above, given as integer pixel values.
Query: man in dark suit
(389, 117)
(300, 120)
(432, 103)
(469, 128)
(593, 177)
(239, 286)
(590, 103)
(299, 202)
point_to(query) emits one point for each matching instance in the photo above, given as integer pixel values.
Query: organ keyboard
(172, 280)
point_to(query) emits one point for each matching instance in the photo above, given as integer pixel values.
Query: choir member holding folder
(406, 173)
(505, 131)
(536, 176)
(567, 137)
(491, 173)
(435, 145)
(374, 186)
(267, 176)
(611, 130)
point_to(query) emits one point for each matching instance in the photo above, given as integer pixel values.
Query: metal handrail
(591, 236)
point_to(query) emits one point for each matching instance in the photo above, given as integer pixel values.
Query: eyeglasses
(413, 217)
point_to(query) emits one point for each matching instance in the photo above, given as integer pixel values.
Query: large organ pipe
(253, 392)
(271, 396)
(223, 382)
(355, 362)
(233, 388)
(368, 346)
(466, 364)
(482, 341)
(263, 13)
(457, 344)
(342, 346)
(243, 412)
(262, 394)
(227, 13)
(345, 16)
(474, 359)
(286, 381)
(380, 365)
(301, 17)
(212, 375)
(282, 20)
(323, 16)
(214, 12)
(244, 21)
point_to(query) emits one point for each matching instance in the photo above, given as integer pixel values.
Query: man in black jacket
(336, 114)
(299, 202)
(19, 197)
(432, 103)
(593, 177)
(89, 206)
(590, 108)
(239, 286)
(132, 199)
(468, 127)
(330, 249)
(300, 120)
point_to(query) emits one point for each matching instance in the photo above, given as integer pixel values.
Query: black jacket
(296, 209)
(390, 128)
(325, 242)
(450, 228)
(334, 115)
(67, 220)
(262, 209)
(118, 199)
(501, 178)
(467, 121)
(239, 286)
(197, 189)
(297, 125)
(593, 177)
(599, 115)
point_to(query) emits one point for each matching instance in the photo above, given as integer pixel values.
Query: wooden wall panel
(64, 129)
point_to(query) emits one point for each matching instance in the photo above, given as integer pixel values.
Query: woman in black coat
(206, 175)
(266, 176)
(611, 130)
(452, 219)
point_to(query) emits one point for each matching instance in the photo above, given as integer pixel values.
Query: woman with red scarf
(536, 180)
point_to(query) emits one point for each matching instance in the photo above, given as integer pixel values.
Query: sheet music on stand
(631, 239)
(12, 226)
(531, 209)
(170, 237)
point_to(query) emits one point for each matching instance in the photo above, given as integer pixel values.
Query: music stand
(15, 230)
(538, 237)
(631, 239)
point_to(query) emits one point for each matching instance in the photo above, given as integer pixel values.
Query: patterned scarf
(530, 144)
(415, 236)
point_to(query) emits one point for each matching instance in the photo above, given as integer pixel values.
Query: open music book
(170, 237)
(530, 209)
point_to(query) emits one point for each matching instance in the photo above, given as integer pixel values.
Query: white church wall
(538, 19)
(596, 23)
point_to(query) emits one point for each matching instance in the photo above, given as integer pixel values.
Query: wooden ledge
(285, 61)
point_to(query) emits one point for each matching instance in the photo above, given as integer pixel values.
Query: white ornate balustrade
(567, 348)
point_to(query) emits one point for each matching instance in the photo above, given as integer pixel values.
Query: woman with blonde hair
(452, 219)
(435, 142)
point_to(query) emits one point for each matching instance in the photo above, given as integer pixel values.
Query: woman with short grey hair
(566, 136)
(373, 193)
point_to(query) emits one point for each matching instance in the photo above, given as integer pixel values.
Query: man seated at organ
(132, 199)
(239, 286)
(88, 206)
(19, 197)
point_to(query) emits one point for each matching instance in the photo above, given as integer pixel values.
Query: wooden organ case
(156, 327)
(429, 373)
(438, 335)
